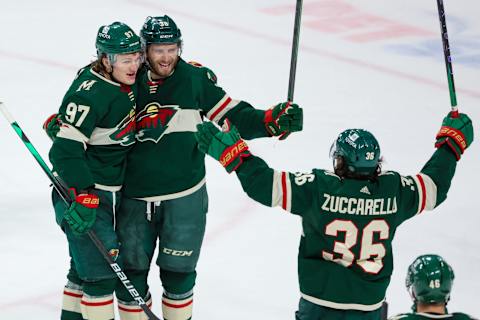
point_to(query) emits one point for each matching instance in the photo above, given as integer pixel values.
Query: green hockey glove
(457, 133)
(225, 146)
(82, 212)
(283, 119)
(52, 125)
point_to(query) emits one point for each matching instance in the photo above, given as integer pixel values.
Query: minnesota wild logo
(125, 130)
(152, 121)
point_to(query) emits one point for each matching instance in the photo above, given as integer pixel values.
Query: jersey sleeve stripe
(68, 131)
(430, 191)
(277, 195)
(421, 192)
(427, 192)
(281, 190)
(286, 192)
(221, 108)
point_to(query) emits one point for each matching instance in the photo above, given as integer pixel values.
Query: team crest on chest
(125, 130)
(152, 121)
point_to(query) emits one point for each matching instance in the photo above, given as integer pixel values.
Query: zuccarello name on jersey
(359, 206)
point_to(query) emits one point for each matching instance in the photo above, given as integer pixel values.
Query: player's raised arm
(262, 183)
(453, 138)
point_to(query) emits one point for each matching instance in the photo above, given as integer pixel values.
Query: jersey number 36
(371, 253)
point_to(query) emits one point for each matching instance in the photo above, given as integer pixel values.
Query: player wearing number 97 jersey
(97, 117)
(349, 216)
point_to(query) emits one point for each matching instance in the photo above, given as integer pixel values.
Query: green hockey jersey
(97, 131)
(431, 316)
(345, 256)
(165, 163)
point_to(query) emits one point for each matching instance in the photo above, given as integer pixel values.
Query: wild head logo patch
(152, 121)
(125, 130)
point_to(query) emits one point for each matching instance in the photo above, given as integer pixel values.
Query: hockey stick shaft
(293, 58)
(295, 42)
(448, 57)
(64, 195)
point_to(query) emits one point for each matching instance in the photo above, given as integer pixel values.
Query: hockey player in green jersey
(97, 117)
(429, 282)
(349, 216)
(165, 192)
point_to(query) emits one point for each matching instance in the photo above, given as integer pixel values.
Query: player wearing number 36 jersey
(349, 216)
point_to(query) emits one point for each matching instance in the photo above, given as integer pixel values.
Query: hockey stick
(293, 59)
(448, 58)
(384, 311)
(62, 191)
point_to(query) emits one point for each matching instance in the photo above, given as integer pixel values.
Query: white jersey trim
(277, 189)
(104, 79)
(69, 132)
(427, 192)
(281, 190)
(343, 306)
(434, 316)
(175, 195)
(184, 120)
(107, 188)
(221, 108)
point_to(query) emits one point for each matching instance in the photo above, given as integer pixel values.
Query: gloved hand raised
(283, 119)
(457, 133)
(82, 212)
(225, 146)
(52, 125)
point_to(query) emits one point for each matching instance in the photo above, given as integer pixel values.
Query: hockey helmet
(359, 150)
(162, 30)
(429, 279)
(116, 38)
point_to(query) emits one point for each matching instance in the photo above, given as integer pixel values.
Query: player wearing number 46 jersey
(429, 282)
(349, 216)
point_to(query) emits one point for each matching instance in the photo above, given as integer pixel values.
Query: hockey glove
(52, 126)
(225, 146)
(82, 212)
(457, 133)
(283, 119)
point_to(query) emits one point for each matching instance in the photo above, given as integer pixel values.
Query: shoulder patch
(195, 64)
(86, 85)
(210, 74)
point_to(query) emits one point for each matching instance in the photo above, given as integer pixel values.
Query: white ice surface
(373, 64)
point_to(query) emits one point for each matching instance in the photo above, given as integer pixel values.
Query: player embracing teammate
(349, 215)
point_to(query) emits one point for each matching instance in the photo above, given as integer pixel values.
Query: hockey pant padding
(131, 310)
(139, 281)
(178, 283)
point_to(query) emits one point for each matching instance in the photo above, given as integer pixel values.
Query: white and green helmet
(160, 30)
(116, 38)
(429, 279)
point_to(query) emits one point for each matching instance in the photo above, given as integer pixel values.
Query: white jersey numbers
(301, 178)
(371, 253)
(343, 248)
(78, 113)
